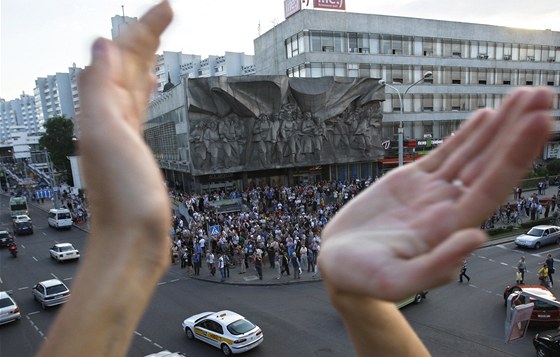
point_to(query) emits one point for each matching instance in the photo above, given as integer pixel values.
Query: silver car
(50, 293)
(539, 236)
(9, 311)
(64, 251)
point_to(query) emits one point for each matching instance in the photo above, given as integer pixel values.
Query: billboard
(291, 7)
(329, 4)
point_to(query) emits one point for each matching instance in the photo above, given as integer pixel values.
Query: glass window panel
(338, 42)
(315, 41)
(328, 69)
(340, 70)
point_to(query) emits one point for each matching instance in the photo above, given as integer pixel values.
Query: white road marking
(35, 259)
(506, 264)
(56, 277)
(1, 282)
(23, 288)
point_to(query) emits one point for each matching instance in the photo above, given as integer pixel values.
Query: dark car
(23, 227)
(547, 343)
(5, 238)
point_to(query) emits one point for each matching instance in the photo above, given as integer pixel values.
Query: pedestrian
(184, 259)
(464, 273)
(285, 263)
(278, 265)
(197, 262)
(189, 261)
(521, 268)
(543, 276)
(258, 265)
(295, 265)
(550, 265)
(226, 265)
(243, 260)
(210, 263)
(221, 268)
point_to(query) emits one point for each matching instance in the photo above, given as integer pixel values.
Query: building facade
(20, 112)
(473, 65)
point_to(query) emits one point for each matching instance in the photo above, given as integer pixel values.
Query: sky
(39, 38)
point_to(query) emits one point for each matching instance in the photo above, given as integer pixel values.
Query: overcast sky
(42, 37)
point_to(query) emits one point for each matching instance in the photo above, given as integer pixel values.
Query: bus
(18, 205)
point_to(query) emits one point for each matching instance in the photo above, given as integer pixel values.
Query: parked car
(64, 251)
(543, 313)
(225, 329)
(50, 293)
(412, 299)
(539, 236)
(22, 225)
(9, 311)
(5, 238)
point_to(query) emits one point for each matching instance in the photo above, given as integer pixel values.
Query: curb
(247, 283)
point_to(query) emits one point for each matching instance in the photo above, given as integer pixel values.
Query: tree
(58, 140)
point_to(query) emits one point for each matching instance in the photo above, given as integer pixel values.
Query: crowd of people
(278, 226)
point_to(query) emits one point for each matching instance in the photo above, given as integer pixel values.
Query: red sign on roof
(330, 4)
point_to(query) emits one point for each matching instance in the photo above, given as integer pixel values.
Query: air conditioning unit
(551, 59)
(483, 56)
(531, 58)
(507, 57)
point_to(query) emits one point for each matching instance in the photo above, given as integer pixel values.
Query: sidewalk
(49, 204)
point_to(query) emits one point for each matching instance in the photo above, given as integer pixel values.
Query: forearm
(377, 328)
(111, 291)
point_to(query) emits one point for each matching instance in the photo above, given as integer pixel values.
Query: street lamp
(401, 129)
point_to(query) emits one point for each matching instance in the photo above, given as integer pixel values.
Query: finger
(483, 130)
(440, 265)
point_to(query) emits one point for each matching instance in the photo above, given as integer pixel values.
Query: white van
(60, 218)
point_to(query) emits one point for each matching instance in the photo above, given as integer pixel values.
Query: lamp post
(400, 131)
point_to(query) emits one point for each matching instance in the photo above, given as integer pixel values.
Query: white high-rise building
(53, 96)
(20, 112)
(119, 23)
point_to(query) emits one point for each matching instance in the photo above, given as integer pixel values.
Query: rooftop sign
(329, 4)
(291, 7)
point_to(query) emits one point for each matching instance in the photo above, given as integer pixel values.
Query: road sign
(214, 231)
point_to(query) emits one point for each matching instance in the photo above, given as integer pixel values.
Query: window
(455, 75)
(427, 103)
(315, 41)
(352, 70)
(428, 46)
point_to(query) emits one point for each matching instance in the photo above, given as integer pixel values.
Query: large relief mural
(261, 122)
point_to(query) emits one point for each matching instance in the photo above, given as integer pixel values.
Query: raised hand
(412, 229)
(128, 248)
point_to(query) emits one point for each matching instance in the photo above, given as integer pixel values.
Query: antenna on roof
(122, 10)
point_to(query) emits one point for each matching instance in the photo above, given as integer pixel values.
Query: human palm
(412, 229)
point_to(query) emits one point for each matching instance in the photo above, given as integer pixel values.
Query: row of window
(366, 43)
(441, 75)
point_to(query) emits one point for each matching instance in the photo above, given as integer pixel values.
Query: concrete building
(169, 67)
(119, 23)
(230, 64)
(473, 65)
(54, 96)
(20, 112)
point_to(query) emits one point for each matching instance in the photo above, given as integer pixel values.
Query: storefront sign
(330, 4)
(291, 7)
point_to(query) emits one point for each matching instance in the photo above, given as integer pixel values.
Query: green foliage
(536, 222)
(58, 142)
(553, 166)
(499, 230)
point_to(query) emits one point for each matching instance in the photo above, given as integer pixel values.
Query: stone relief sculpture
(261, 122)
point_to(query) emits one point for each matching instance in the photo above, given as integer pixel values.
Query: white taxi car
(225, 329)
(64, 251)
(9, 311)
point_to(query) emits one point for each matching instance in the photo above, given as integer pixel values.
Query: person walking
(210, 263)
(464, 273)
(521, 268)
(550, 265)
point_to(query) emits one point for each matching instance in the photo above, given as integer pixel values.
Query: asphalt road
(297, 320)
